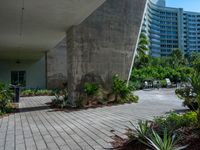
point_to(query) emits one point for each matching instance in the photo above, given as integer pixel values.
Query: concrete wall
(103, 45)
(57, 66)
(35, 71)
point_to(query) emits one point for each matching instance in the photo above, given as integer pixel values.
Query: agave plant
(143, 130)
(168, 142)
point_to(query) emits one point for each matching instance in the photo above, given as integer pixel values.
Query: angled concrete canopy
(31, 26)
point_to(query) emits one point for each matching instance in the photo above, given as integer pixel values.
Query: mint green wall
(35, 72)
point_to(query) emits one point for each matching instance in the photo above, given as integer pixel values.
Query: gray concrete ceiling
(42, 25)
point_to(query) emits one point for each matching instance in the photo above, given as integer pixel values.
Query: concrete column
(104, 44)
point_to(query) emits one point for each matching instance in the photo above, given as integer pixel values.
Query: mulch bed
(194, 144)
(132, 144)
(191, 138)
(69, 108)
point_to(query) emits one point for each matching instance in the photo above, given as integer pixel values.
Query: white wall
(35, 72)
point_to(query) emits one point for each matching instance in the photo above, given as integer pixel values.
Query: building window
(18, 78)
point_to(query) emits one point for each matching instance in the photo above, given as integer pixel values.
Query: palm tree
(143, 45)
(177, 57)
(142, 51)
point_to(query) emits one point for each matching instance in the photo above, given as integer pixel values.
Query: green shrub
(90, 88)
(122, 91)
(163, 83)
(6, 96)
(195, 81)
(131, 99)
(120, 88)
(136, 85)
(160, 69)
(175, 121)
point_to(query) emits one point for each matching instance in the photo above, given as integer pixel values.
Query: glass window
(18, 78)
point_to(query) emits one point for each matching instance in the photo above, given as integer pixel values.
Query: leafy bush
(120, 88)
(135, 85)
(163, 83)
(196, 84)
(90, 88)
(132, 99)
(160, 73)
(159, 69)
(122, 91)
(6, 96)
(175, 121)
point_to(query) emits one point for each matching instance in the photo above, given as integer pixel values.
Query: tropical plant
(60, 99)
(143, 130)
(160, 73)
(90, 88)
(120, 88)
(177, 57)
(6, 96)
(131, 99)
(142, 57)
(168, 142)
(196, 84)
(175, 121)
(143, 44)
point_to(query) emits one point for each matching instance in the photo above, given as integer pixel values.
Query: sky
(187, 5)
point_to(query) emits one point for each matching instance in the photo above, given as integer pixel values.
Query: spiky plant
(168, 142)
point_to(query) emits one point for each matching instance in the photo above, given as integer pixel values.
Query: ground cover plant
(36, 92)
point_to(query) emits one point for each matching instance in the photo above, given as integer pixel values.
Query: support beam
(104, 44)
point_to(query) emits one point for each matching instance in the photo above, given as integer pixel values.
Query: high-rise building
(169, 28)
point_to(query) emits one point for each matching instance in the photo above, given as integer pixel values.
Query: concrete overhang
(28, 26)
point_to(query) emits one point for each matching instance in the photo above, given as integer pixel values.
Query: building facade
(169, 28)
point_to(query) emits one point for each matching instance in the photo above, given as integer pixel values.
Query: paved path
(37, 127)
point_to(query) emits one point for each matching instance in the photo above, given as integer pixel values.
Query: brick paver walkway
(38, 127)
